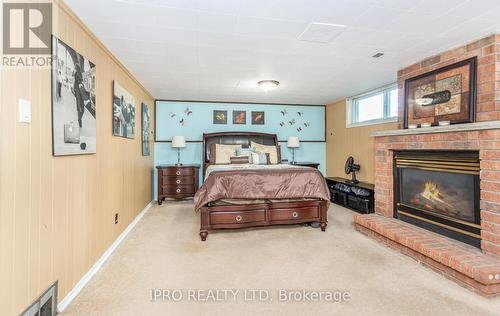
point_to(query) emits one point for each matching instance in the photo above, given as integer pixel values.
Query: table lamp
(178, 142)
(293, 142)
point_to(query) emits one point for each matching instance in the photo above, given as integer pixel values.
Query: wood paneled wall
(342, 142)
(57, 213)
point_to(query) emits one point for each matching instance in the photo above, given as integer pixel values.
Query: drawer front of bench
(235, 218)
(297, 214)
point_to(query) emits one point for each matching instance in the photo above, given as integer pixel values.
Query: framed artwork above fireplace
(444, 94)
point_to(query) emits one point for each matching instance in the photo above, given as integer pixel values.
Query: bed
(243, 195)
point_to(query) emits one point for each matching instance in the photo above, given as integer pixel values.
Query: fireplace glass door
(439, 191)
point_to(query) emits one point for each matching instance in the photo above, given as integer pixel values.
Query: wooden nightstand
(177, 182)
(305, 164)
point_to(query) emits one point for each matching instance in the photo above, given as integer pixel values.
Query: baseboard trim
(86, 278)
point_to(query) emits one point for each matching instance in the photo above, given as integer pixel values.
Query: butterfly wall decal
(299, 129)
(172, 114)
(282, 124)
(284, 112)
(182, 122)
(188, 111)
(307, 124)
(300, 113)
(292, 122)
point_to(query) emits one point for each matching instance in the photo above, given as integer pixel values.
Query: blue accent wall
(192, 119)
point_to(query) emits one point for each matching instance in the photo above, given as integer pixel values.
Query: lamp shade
(293, 142)
(178, 142)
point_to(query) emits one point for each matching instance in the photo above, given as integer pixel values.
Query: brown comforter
(262, 184)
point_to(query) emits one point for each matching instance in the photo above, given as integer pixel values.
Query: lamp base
(178, 164)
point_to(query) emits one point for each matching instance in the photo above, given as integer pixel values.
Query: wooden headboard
(235, 138)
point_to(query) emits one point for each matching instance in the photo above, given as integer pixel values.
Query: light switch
(24, 111)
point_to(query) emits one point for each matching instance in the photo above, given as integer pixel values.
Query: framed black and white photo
(123, 112)
(146, 128)
(73, 101)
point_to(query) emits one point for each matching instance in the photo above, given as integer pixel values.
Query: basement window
(375, 107)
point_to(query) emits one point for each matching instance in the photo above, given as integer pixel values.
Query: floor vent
(45, 305)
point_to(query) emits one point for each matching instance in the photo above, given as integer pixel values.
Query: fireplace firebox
(439, 191)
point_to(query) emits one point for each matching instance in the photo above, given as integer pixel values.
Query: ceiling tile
(436, 8)
(219, 49)
(376, 17)
(269, 28)
(341, 11)
(217, 23)
(219, 6)
(474, 8)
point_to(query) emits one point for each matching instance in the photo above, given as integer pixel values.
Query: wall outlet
(116, 218)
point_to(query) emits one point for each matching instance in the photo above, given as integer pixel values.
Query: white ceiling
(219, 49)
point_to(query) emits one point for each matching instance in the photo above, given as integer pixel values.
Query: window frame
(352, 109)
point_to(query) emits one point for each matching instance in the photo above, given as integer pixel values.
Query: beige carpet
(165, 252)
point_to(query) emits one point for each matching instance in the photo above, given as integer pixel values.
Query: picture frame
(240, 117)
(258, 117)
(444, 94)
(145, 129)
(73, 79)
(220, 117)
(123, 106)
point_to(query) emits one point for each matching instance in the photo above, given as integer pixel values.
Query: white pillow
(223, 153)
(259, 158)
(271, 150)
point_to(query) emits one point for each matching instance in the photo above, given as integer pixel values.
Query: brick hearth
(462, 263)
(474, 268)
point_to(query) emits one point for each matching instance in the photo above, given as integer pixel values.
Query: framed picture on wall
(220, 117)
(239, 117)
(258, 117)
(146, 129)
(73, 101)
(123, 112)
(444, 94)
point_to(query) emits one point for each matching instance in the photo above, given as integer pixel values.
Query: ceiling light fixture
(377, 55)
(268, 85)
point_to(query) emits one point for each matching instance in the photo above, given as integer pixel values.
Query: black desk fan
(351, 168)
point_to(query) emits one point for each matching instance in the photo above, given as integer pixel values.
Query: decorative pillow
(259, 158)
(245, 152)
(271, 150)
(240, 160)
(223, 153)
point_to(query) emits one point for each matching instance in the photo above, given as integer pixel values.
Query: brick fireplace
(477, 268)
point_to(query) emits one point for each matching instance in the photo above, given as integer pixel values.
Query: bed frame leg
(203, 235)
(323, 227)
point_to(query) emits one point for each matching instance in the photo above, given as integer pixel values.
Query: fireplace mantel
(441, 129)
